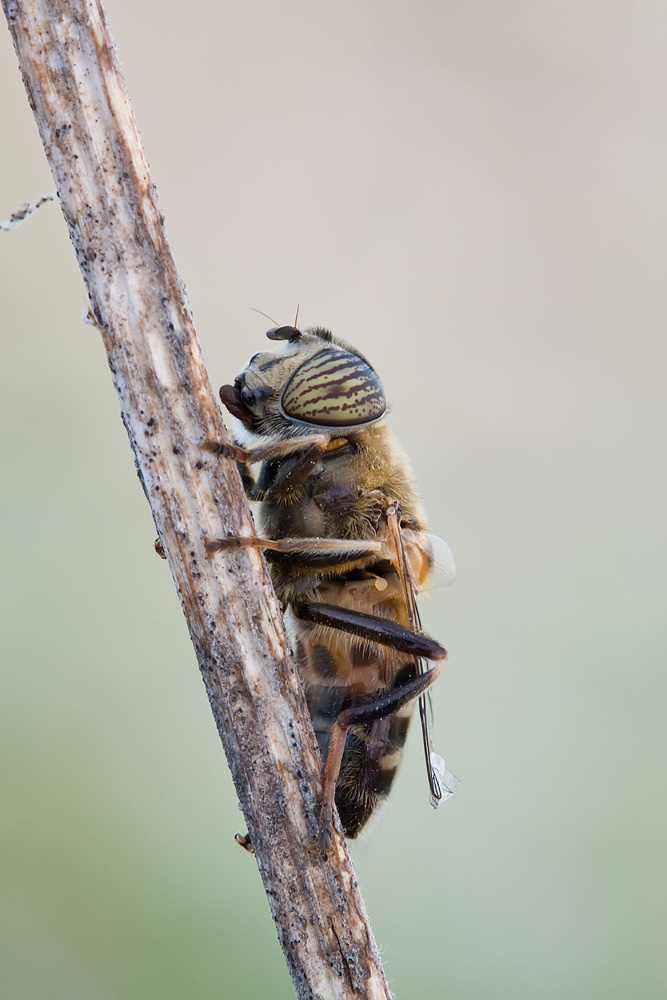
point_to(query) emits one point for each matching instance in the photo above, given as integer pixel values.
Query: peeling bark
(137, 300)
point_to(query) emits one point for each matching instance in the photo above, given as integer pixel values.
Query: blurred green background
(474, 195)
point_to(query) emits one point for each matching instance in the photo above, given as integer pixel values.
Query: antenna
(267, 315)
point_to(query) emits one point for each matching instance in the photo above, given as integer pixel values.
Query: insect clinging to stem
(344, 532)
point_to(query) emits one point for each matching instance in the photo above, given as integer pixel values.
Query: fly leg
(311, 551)
(384, 633)
(385, 704)
(287, 465)
(267, 452)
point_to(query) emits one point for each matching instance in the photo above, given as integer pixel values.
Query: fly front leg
(267, 452)
(405, 689)
(286, 465)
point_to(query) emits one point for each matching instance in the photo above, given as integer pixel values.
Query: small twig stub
(25, 211)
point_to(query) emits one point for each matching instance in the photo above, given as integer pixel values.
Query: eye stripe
(321, 381)
(329, 355)
(336, 389)
(333, 370)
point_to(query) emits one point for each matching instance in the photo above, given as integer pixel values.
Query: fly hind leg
(385, 704)
(405, 689)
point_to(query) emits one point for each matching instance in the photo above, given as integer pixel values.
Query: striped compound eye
(334, 389)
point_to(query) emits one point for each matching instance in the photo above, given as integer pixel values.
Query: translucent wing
(446, 782)
(423, 560)
(443, 571)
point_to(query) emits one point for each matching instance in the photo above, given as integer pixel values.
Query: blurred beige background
(474, 194)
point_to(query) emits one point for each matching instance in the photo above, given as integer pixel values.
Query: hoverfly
(344, 533)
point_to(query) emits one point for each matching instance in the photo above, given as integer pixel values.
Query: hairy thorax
(342, 498)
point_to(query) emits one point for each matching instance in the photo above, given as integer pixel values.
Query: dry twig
(72, 76)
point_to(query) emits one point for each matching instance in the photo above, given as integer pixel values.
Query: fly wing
(446, 782)
(421, 559)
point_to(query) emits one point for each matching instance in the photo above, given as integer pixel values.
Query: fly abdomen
(372, 756)
(373, 749)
